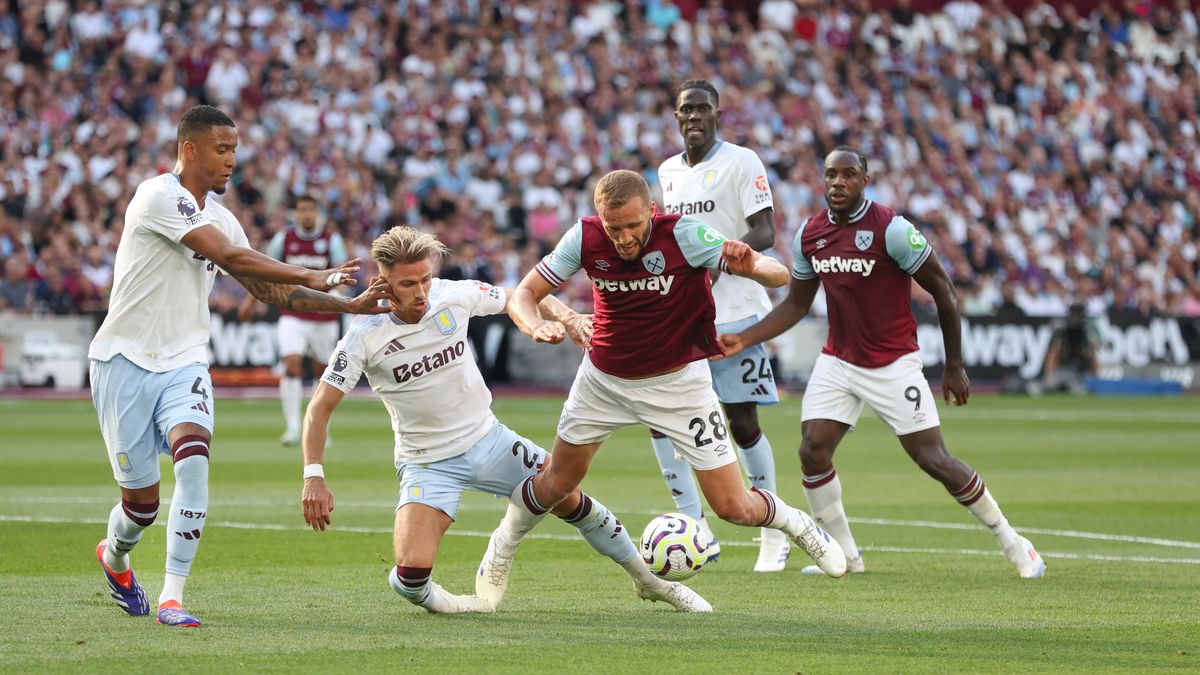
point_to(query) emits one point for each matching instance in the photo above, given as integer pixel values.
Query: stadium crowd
(1050, 157)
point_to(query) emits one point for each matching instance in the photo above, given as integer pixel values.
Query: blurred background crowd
(1050, 154)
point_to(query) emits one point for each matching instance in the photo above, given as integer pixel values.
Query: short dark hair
(304, 197)
(699, 84)
(862, 159)
(201, 118)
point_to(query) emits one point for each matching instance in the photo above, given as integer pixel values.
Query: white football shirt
(723, 190)
(158, 311)
(424, 372)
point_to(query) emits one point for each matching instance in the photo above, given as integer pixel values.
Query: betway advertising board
(1164, 348)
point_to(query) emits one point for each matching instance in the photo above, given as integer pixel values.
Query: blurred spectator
(1050, 155)
(1072, 353)
(16, 293)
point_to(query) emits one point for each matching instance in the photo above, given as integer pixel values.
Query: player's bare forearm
(316, 422)
(524, 300)
(762, 230)
(293, 297)
(301, 299)
(933, 278)
(784, 315)
(553, 309)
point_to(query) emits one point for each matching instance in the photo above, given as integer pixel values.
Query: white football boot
(1025, 558)
(673, 593)
(853, 566)
(773, 551)
(491, 579)
(822, 548)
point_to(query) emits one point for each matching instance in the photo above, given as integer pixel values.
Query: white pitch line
(1073, 534)
(563, 537)
(1114, 416)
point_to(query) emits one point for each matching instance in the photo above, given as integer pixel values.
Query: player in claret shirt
(865, 255)
(309, 242)
(653, 331)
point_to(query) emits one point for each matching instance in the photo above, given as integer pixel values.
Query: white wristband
(334, 279)
(314, 471)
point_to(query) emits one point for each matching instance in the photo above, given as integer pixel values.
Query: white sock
(289, 397)
(124, 532)
(824, 493)
(636, 568)
(172, 589)
(759, 461)
(978, 500)
(679, 477)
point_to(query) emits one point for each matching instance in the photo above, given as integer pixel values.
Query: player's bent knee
(733, 511)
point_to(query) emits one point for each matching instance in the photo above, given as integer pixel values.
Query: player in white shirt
(417, 361)
(725, 185)
(149, 360)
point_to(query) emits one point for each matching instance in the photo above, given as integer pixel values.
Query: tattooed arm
(301, 299)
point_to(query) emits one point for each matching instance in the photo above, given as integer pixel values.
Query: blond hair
(618, 188)
(403, 245)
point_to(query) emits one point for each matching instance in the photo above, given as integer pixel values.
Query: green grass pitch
(1106, 488)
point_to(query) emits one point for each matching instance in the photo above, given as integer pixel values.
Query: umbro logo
(760, 390)
(602, 265)
(393, 347)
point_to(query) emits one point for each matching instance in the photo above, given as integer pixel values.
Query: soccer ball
(674, 546)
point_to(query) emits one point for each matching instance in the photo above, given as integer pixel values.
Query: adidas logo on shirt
(393, 347)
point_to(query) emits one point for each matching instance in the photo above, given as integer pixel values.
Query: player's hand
(956, 384)
(323, 280)
(730, 344)
(246, 310)
(738, 257)
(367, 302)
(317, 501)
(551, 332)
(579, 329)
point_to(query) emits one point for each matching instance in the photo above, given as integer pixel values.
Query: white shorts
(897, 392)
(681, 405)
(314, 339)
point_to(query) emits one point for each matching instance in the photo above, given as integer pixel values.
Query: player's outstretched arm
(740, 259)
(301, 299)
(785, 315)
(578, 326)
(239, 261)
(933, 278)
(316, 499)
(523, 309)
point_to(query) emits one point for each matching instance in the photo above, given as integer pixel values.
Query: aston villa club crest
(445, 322)
(654, 262)
(710, 179)
(863, 239)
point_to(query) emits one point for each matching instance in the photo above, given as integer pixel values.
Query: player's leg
(682, 485)
(927, 448)
(185, 421)
(321, 341)
(124, 396)
(429, 499)
(743, 384)
(684, 407)
(292, 339)
(900, 395)
(830, 409)
(823, 488)
(513, 460)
